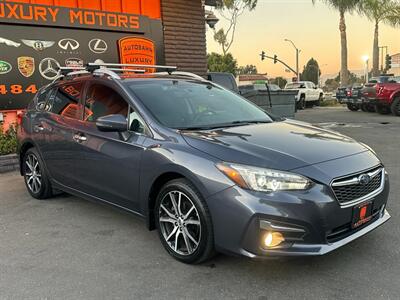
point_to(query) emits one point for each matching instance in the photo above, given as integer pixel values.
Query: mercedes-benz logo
(49, 68)
(98, 46)
(364, 179)
(68, 44)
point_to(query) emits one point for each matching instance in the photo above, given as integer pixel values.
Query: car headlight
(264, 180)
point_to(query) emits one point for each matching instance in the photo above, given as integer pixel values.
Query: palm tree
(385, 11)
(343, 6)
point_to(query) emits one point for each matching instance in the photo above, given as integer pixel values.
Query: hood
(283, 145)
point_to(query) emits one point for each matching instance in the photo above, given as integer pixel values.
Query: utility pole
(297, 57)
(383, 56)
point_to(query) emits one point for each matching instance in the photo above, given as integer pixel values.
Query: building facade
(395, 65)
(39, 33)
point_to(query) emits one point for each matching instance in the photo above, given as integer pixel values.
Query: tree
(343, 6)
(231, 10)
(280, 81)
(247, 69)
(221, 63)
(311, 72)
(380, 11)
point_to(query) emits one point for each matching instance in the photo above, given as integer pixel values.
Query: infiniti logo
(68, 44)
(364, 179)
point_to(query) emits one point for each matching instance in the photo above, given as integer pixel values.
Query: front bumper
(237, 215)
(298, 249)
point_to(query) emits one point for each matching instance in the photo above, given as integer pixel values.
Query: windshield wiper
(226, 125)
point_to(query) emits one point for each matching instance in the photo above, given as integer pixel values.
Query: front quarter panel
(177, 157)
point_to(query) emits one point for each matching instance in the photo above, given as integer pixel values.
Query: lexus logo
(364, 179)
(68, 44)
(98, 46)
(49, 68)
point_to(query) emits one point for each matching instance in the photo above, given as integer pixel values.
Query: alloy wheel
(33, 175)
(180, 223)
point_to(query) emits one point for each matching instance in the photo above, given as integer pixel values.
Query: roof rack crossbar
(69, 70)
(93, 66)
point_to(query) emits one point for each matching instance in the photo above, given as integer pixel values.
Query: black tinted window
(40, 100)
(102, 101)
(65, 101)
(184, 104)
(224, 80)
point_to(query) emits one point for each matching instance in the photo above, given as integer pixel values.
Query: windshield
(296, 85)
(195, 105)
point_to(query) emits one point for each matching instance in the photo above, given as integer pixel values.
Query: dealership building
(395, 65)
(37, 36)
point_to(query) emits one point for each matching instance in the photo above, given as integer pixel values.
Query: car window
(187, 104)
(136, 123)
(101, 101)
(41, 99)
(223, 80)
(65, 100)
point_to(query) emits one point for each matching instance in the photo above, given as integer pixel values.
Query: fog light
(273, 239)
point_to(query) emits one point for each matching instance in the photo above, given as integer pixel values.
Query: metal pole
(297, 58)
(297, 65)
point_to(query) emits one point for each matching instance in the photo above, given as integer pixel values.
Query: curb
(9, 163)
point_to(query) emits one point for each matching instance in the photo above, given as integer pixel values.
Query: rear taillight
(349, 93)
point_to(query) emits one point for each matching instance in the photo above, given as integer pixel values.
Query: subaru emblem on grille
(364, 179)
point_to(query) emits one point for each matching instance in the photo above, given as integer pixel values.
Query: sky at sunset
(313, 28)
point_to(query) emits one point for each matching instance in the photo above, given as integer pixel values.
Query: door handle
(38, 128)
(79, 138)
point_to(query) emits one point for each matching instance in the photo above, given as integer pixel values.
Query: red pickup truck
(384, 94)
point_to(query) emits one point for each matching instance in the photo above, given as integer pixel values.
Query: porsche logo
(26, 65)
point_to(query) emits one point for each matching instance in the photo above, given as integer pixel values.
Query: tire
(302, 103)
(395, 107)
(383, 110)
(371, 108)
(318, 102)
(35, 175)
(364, 107)
(353, 107)
(189, 223)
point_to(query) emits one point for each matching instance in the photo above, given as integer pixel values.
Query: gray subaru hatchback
(209, 170)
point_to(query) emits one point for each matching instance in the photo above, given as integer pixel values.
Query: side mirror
(112, 123)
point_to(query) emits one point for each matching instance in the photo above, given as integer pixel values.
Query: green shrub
(8, 141)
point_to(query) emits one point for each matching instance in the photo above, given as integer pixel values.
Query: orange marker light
(233, 175)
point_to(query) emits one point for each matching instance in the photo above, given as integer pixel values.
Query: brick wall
(185, 35)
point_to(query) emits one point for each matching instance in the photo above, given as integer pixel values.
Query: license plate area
(362, 214)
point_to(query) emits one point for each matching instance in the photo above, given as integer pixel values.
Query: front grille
(349, 190)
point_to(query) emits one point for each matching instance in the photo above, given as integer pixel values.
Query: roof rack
(112, 70)
(96, 66)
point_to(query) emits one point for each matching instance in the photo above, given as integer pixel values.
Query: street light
(365, 59)
(297, 58)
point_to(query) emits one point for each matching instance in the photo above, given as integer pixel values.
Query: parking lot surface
(69, 248)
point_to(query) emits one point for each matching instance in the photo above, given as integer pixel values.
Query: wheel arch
(155, 188)
(25, 146)
(395, 95)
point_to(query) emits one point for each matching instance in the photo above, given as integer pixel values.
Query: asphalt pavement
(69, 248)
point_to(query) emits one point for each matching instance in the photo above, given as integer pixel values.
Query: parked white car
(308, 93)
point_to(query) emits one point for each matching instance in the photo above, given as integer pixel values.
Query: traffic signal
(275, 59)
(263, 55)
(388, 62)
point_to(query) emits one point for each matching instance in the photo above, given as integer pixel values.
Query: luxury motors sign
(70, 17)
